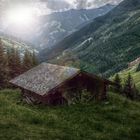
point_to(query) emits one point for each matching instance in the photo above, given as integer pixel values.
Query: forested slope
(104, 46)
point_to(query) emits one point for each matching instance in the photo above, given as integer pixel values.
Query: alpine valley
(104, 46)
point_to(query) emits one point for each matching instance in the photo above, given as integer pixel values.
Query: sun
(20, 16)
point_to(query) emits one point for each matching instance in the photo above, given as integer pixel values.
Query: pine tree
(34, 59)
(27, 61)
(18, 63)
(1, 52)
(11, 65)
(129, 87)
(118, 81)
(14, 62)
(136, 92)
(3, 67)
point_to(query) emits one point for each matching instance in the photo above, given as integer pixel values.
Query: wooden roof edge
(80, 72)
(20, 87)
(99, 78)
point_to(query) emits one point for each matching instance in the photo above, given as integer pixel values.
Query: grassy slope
(116, 119)
(135, 75)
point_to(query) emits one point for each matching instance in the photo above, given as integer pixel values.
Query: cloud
(80, 4)
(58, 5)
(55, 5)
(5, 4)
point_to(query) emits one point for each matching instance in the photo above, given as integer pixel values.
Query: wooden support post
(104, 96)
(103, 92)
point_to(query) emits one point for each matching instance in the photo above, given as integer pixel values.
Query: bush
(79, 97)
(83, 97)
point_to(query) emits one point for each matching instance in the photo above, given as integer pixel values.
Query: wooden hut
(52, 84)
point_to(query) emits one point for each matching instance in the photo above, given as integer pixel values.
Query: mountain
(49, 29)
(104, 46)
(56, 26)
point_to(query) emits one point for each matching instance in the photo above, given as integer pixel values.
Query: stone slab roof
(44, 78)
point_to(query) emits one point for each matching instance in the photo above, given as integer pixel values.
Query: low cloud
(56, 5)
(81, 4)
(77, 4)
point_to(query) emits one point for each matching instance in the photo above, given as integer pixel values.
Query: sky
(48, 6)
(60, 5)
(24, 13)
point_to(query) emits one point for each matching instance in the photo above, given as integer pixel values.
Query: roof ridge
(60, 66)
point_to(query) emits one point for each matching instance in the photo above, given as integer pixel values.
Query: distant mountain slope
(56, 26)
(21, 46)
(50, 29)
(107, 44)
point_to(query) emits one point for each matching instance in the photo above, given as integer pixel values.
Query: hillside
(105, 45)
(21, 46)
(116, 119)
(136, 75)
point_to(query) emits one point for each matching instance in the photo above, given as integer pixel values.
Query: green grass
(135, 75)
(115, 119)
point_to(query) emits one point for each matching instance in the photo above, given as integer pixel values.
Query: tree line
(12, 64)
(126, 88)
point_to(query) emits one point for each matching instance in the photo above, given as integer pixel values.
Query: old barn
(52, 84)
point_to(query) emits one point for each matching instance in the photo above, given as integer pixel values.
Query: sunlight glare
(20, 16)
